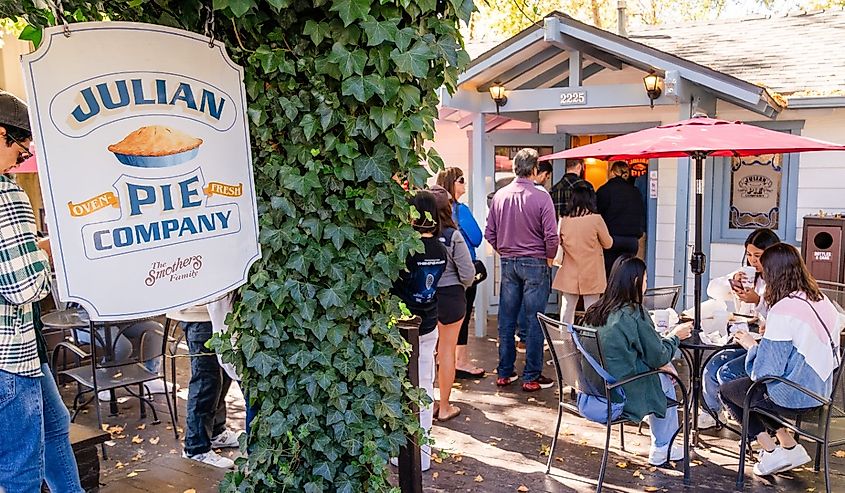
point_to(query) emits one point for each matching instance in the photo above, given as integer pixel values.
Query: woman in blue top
(453, 180)
(800, 345)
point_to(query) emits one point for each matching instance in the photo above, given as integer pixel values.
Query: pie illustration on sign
(156, 146)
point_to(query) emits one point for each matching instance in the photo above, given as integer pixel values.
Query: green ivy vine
(341, 96)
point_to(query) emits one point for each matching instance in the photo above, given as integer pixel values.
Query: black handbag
(480, 272)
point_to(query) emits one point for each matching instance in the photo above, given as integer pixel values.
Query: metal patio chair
(570, 369)
(660, 298)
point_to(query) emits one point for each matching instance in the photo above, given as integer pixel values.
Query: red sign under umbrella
(697, 138)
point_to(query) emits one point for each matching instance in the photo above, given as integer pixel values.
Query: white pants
(568, 301)
(428, 343)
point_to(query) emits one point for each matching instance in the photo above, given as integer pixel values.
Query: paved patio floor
(500, 443)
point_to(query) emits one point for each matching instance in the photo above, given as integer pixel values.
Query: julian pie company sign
(145, 167)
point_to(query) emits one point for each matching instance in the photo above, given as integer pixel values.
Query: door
(499, 148)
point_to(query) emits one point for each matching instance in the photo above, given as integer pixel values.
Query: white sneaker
(657, 456)
(226, 439)
(772, 462)
(705, 420)
(159, 387)
(212, 459)
(798, 456)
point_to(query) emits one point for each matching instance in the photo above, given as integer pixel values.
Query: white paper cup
(661, 320)
(750, 274)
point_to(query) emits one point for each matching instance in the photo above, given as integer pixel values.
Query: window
(753, 192)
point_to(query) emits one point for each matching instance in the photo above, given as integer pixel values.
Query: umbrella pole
(698, 262)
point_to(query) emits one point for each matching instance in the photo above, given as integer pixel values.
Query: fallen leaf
(155, 440)
(190, 491)
(478, 479)
(117, 375)
(496, 438)
(531, 399)
(545, 450)
(169, 428)
(132, 474)
(697, 462)
(461, 473)
(120, 465)
(652, 469)
(622, 464)
(173, 451)
(105, 426)
(650, 488)
(435, 475)
(811, 490)
(638, 474)
(522, 488)
(137, 439)
(141, 426)
(559, 459)
(839, 453)
(437, 459)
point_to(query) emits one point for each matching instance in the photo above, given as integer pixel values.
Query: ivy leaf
(349, 62)
(384, 117)
(316, 30)
(263, 363)
(380, 31)
(377, 166)
(351, 10)
(33, 34)
(361, 87)
(414, 61)
(410, 96)
(382, 366)
(240, 7)
(329, 297)
(278, 4)
(309, 125)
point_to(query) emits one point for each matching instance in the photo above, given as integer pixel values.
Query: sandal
(470, 374)
(456, 411)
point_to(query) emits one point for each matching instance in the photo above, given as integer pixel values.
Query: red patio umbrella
(697, 138)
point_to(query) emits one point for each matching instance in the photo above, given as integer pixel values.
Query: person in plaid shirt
(28, 397)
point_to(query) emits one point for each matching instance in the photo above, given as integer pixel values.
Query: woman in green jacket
(630, 346)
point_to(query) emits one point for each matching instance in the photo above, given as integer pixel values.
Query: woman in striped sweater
(800, 345)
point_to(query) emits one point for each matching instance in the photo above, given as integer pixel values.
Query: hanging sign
(145, 166)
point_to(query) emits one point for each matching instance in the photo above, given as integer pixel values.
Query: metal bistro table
(694, 350)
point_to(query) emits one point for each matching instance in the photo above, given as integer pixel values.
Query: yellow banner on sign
(93, 204)
(216, 188)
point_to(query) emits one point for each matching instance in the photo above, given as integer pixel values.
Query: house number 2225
(573, 97)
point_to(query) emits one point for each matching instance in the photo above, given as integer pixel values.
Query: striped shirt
(24, 279)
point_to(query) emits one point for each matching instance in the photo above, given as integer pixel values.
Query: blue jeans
(727, 365)
(206, 417)
(663, 429)
(60, 470)
(22, 446)
(525, 285)
(522, 324)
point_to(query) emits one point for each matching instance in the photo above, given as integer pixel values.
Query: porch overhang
(543, 63)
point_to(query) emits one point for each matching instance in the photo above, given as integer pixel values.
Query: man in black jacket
(621, 207)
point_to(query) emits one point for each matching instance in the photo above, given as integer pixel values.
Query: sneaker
(505, 381)
(212, 459)
(226, 439)
(540, 383)
(705, 420)
(657, 456)
(520, 347)
(159, 387)
(772, 462)
(797, 455)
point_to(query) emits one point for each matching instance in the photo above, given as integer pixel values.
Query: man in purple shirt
(522, 228)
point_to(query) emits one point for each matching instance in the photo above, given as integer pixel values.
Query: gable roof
(537, 58)
(797, 54)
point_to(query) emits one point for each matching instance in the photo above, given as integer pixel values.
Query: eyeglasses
(460, 180)
(24, 154)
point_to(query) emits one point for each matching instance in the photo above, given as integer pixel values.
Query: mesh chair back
(661, 298)
(565, 356)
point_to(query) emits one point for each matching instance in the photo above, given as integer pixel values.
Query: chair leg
(173, 377)
(604, 458)
(826, 451)
(817, 464)
(740, 473)
(141, 400)
(170, 409)
(96, 402)
(640, 428)
(554, 438)
(622, 436)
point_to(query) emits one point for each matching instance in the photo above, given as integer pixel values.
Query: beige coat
(583, 239)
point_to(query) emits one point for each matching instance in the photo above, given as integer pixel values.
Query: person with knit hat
(38, 446)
